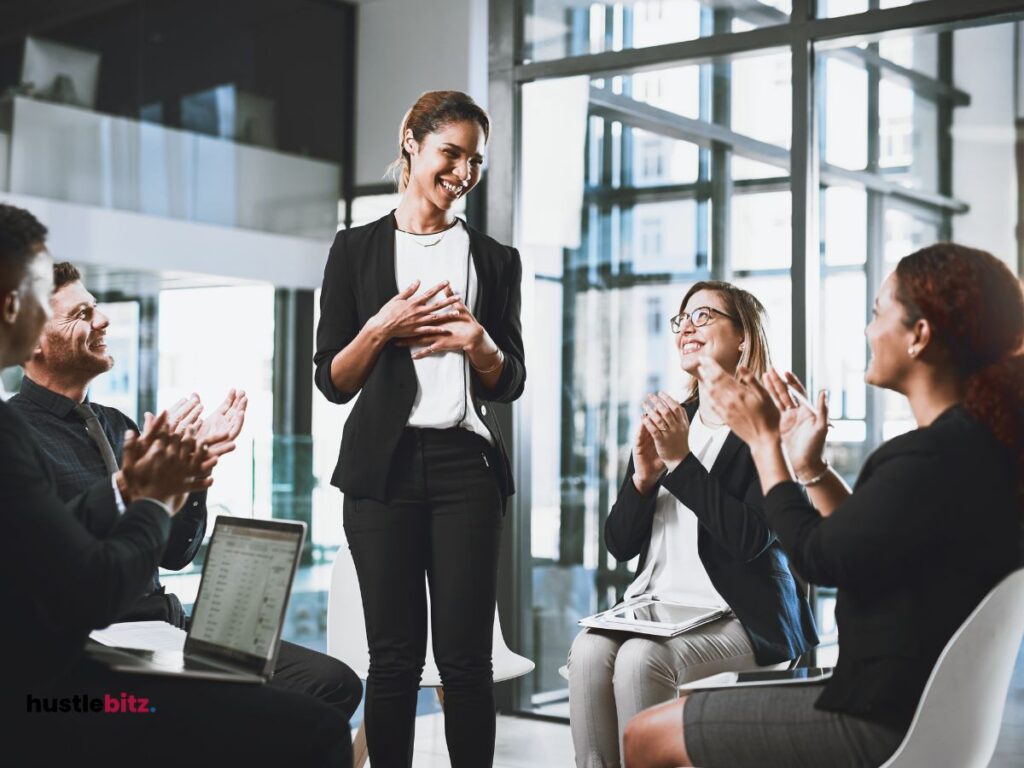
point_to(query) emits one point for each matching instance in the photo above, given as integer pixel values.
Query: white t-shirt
(443, 380)
(673, 570)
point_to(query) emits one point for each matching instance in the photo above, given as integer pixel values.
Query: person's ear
(11, 307)
(921, 335)
(409, 143)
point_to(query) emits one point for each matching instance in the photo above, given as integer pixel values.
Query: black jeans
(443, 518)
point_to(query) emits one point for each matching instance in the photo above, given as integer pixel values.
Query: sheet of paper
(146, 635)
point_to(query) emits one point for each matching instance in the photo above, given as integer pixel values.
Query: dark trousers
(323, 677)
(443, 518)
(195, 723)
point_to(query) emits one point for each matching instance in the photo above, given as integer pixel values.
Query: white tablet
(727, 680)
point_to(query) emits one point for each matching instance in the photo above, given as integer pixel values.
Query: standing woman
(422, 464)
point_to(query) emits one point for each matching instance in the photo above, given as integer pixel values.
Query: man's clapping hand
(164, 465)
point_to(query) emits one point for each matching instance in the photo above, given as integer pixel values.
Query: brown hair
(975, 307)
(63, 273)
(433, 110)
(751, 319)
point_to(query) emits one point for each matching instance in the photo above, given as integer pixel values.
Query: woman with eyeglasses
(932, 525)
(691, 508)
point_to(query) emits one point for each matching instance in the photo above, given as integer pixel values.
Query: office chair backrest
(346, 630)
(346, 627)
(958, 718)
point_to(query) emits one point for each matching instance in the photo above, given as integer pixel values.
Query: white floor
(521, 743)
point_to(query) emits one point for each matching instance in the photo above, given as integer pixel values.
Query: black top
(57, 580)
(735, 544)
(933, 524)
(76, 464)
(358, 280)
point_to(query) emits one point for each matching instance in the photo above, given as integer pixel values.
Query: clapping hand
(647, 465)
(741, 401)
(669, 427)
(164, 465)
(219, 430)
(803, 429)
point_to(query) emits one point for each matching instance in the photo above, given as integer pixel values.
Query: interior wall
(406, 47)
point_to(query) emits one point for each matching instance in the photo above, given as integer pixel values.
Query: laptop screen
(244, 591)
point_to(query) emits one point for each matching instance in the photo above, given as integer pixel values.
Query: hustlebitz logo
(107, 704)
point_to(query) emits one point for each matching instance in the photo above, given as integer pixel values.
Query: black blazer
(932, 525)
(735, 544)
(57, 579)
(358, 280)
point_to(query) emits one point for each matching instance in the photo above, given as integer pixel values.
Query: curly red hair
(975, 306)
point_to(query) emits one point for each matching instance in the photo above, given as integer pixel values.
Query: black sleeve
(339, 320)
(80, 581)
(736, 524)
(868, 540)
(628, 527)
(509, 338)
(187, 530)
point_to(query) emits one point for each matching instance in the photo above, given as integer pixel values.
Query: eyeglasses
(699, 317)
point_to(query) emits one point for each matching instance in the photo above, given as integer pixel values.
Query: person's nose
(100, 321)
(463, 172)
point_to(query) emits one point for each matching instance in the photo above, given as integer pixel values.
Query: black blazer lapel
(485, 273)
(384, 261)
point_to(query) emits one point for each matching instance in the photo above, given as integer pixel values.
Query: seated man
(58, 581)
(70, 354)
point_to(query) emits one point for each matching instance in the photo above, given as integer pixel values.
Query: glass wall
(634, 182)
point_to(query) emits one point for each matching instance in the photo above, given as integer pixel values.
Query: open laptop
(239, 612)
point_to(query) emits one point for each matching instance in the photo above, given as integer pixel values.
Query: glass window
(905, 157)
(556, 29)
(761, 230)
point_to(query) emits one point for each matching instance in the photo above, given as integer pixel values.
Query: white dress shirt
(673, 570)
(443, 380)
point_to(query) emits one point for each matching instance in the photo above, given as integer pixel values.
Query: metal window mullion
(721, 159)
(944, 125)
(515, 591)
(805, 268)
(874, 400)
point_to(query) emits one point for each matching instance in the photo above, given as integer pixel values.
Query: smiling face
(446, 164)
(73, 344)
(889, 339)
(720, 337)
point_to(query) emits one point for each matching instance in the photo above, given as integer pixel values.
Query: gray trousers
(614, 675)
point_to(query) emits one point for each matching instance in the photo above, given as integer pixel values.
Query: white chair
(346, 640)
(958, 718)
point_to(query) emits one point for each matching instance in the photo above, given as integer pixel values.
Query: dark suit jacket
(358, 280)
(735, 544)
(77, 465)
(57, 580)
(932, 525)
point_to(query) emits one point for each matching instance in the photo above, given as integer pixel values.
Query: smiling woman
(422, 464)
